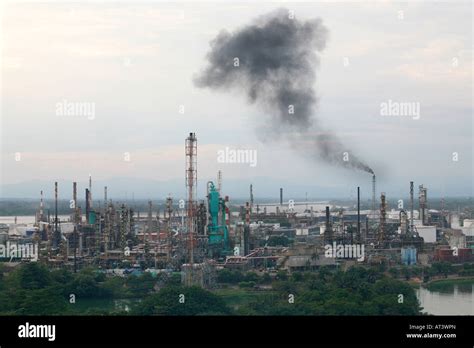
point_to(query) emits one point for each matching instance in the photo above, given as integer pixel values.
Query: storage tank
(409, 256)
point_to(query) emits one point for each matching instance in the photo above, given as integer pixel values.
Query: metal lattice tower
(191, 185)
(219, 181)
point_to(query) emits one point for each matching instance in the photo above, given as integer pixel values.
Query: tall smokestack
(87, 205)
(41, 212)
(90, 191)
(281, 196)
(328, 232)
(247, 213)
(412, 228)
(191, 184)
(55, 242)
(373, 197)
(74, 199)
(74, 193)
(358, 214)
(251, 198)
(105, 196)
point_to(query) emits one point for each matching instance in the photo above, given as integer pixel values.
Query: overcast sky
(136, 62)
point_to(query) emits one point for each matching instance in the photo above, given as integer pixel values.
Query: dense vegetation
(178, 300)
(357, 291)
(436, 270)
(32, 289)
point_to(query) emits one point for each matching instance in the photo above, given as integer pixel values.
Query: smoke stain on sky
(277, 63)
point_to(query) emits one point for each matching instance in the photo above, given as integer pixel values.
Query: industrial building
(209, 233)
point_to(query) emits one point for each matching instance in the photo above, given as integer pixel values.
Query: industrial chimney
(88, 207)
(56, 238)
(412, 228)
(358, 214)
(328, 231)
(373, 197)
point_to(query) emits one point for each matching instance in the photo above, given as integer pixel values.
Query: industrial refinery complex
(199, 236)
(269, 172)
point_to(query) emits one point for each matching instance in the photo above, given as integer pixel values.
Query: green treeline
(32, 289)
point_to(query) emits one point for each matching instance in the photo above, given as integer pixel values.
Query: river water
(455, 300)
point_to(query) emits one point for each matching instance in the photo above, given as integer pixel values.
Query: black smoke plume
(274, 61)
